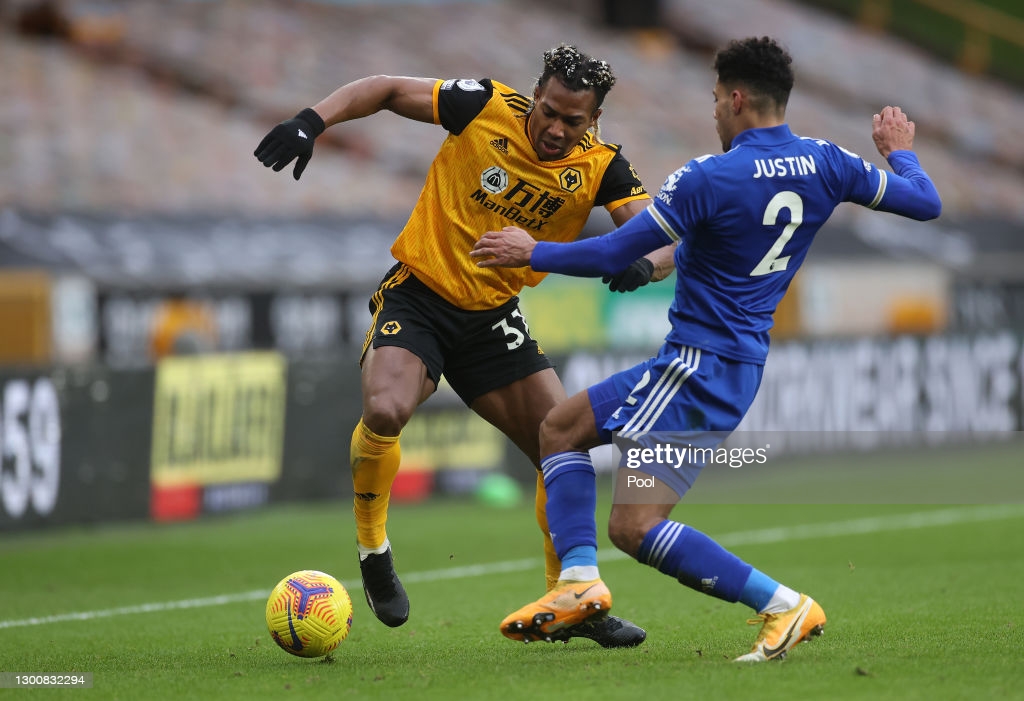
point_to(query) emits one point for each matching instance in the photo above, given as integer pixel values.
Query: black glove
(292, 138)
(636, 275)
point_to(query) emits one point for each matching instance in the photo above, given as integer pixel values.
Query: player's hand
(638, 274)
(291, 139)
(892, 131)
(509, 248)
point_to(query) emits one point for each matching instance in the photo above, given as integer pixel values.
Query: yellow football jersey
(486, 176)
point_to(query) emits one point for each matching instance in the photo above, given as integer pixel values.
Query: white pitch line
(763, 536)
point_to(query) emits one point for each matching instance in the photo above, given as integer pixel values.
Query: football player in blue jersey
(743, 221)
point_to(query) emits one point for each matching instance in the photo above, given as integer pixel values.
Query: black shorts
(476, 351)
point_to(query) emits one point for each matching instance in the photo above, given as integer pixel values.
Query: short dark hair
(760, 65)
(577, 71)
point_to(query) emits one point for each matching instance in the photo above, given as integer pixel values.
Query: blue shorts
(685, 396)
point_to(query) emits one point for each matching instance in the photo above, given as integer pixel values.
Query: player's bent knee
(385, 416)
(557, 432)
(629, 524)
(549, 438)
(626, 535)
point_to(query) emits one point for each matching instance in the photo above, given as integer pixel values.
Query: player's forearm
(664, 260)
(911, 193)
(601, 255)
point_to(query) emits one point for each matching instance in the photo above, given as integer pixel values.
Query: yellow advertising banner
(451, 439)
(218, 419)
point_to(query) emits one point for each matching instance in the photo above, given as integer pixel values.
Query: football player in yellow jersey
(508, 159)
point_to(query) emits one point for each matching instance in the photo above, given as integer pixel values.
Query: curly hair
(577, 71)
(760, 65)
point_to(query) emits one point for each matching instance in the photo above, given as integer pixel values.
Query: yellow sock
(374, 461)
(552, 565)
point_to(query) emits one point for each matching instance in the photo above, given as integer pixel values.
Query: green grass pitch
(924, 602)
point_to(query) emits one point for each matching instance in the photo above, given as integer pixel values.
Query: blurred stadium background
(179, 326)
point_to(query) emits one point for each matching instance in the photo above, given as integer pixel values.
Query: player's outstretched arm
(412, 98)
(293, 139)
(911, 192)
(609, 254)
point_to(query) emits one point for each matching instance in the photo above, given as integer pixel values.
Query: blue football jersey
(746, 219)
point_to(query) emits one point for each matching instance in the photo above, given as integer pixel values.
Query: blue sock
(695, 560)
(579, 556)
(758, 590)
(571, 484)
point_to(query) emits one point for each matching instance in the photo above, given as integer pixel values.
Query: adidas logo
(501, 144)
(708, 583)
